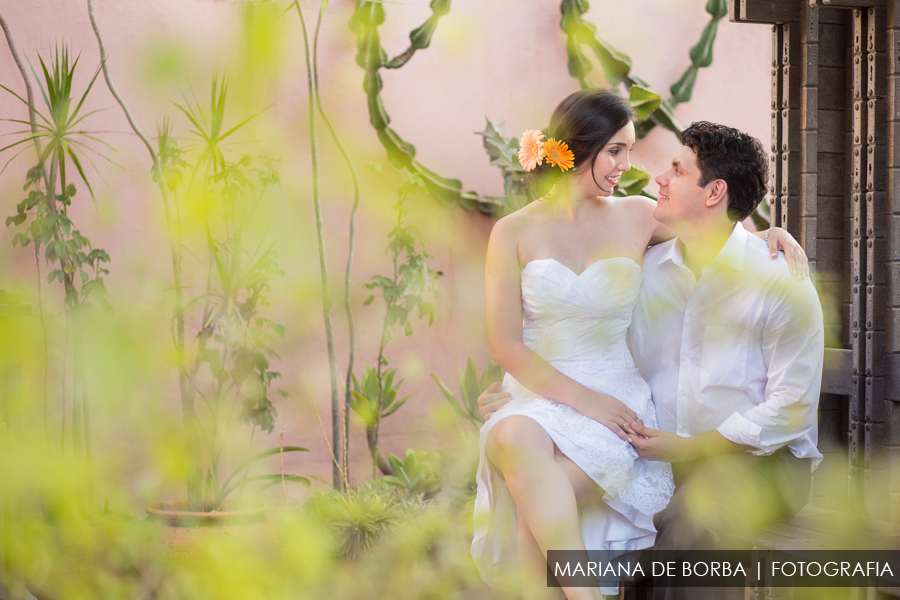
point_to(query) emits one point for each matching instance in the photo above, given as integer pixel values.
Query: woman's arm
(780, 239)
(504, 328)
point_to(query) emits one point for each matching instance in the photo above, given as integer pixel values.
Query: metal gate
(835, 184)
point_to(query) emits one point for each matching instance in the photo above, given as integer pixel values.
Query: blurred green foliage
(418, 473)
(406, 292)
(366, 395)
(234, 342)
(470, 387)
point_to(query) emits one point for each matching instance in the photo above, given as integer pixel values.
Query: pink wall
(503, 59)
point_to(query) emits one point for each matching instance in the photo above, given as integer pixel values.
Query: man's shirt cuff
(741, 430)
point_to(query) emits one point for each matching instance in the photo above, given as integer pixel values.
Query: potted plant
(230, 371)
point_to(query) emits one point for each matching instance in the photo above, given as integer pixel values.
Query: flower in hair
(531, 149)
(558, 154)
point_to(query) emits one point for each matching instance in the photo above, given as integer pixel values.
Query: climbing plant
(650, 108)
(616, 66)
(367, 17)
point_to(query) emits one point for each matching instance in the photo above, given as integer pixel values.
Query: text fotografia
(725, 568)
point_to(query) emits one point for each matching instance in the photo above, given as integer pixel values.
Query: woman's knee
(516, 435)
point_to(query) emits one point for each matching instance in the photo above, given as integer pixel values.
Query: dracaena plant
(57, 133)
(230, 371)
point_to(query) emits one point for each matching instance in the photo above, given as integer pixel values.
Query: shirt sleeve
(793, 346)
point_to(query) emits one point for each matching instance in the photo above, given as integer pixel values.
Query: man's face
(681, 200)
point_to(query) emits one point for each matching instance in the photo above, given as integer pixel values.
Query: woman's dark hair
(585, 121)
(735, 157)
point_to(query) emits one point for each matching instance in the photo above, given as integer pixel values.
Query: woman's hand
(780, 239)
(491, 400)
(610, 412)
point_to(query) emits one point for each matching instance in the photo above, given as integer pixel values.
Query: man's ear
(717, 192)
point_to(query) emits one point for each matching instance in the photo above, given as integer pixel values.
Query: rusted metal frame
(875, 80)
(845, 3)
(809, 131)
(776, 123)
(764, 11)
(858, 271)
(790, 146)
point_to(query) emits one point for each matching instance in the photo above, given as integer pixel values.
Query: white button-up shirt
(739, 350)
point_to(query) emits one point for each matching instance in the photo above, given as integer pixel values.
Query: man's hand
(491, 400)
(654, 444)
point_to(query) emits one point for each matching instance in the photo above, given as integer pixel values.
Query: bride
(562, 277)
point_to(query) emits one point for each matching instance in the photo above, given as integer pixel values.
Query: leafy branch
(404, 293)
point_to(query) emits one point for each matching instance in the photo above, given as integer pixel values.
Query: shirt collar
(731, 255)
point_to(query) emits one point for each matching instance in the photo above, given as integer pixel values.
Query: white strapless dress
(578, 323)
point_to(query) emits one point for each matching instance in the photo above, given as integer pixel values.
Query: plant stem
(336, 432)
(76, 404)
(37, 264)
(78, 350)
(345, 416)
(378, 457)
(173, 225)
(32, 121)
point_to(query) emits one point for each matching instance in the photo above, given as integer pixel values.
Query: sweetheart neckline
(587, 268)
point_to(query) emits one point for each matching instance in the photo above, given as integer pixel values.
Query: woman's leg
(532, 562)
(525, 455)
(533, 567)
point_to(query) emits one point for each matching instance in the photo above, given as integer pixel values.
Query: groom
(732, 347)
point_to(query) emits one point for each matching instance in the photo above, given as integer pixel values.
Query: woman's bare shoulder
(638, 205)
(518, 222)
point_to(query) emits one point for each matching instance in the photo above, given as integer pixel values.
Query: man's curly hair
(737, 158)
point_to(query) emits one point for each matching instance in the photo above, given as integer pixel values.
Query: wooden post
(12, 575)
(892, 256)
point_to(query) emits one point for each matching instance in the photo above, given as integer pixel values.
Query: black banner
(725, 568)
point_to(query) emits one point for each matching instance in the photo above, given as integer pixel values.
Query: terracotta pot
(183, 529)
(175, 514)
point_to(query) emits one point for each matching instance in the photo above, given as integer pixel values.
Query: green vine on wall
(616, 66)
(649, 106)
(367, 17)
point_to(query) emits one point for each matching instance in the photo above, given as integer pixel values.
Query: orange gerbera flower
(559, 155)
(531, 149)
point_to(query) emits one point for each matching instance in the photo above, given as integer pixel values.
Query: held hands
(655, 444)
(780, 239)
(610, 412)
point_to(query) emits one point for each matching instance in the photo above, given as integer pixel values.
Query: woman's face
(610, 163)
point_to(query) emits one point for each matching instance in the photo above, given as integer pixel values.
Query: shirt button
(687, 354)
(681, 429)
